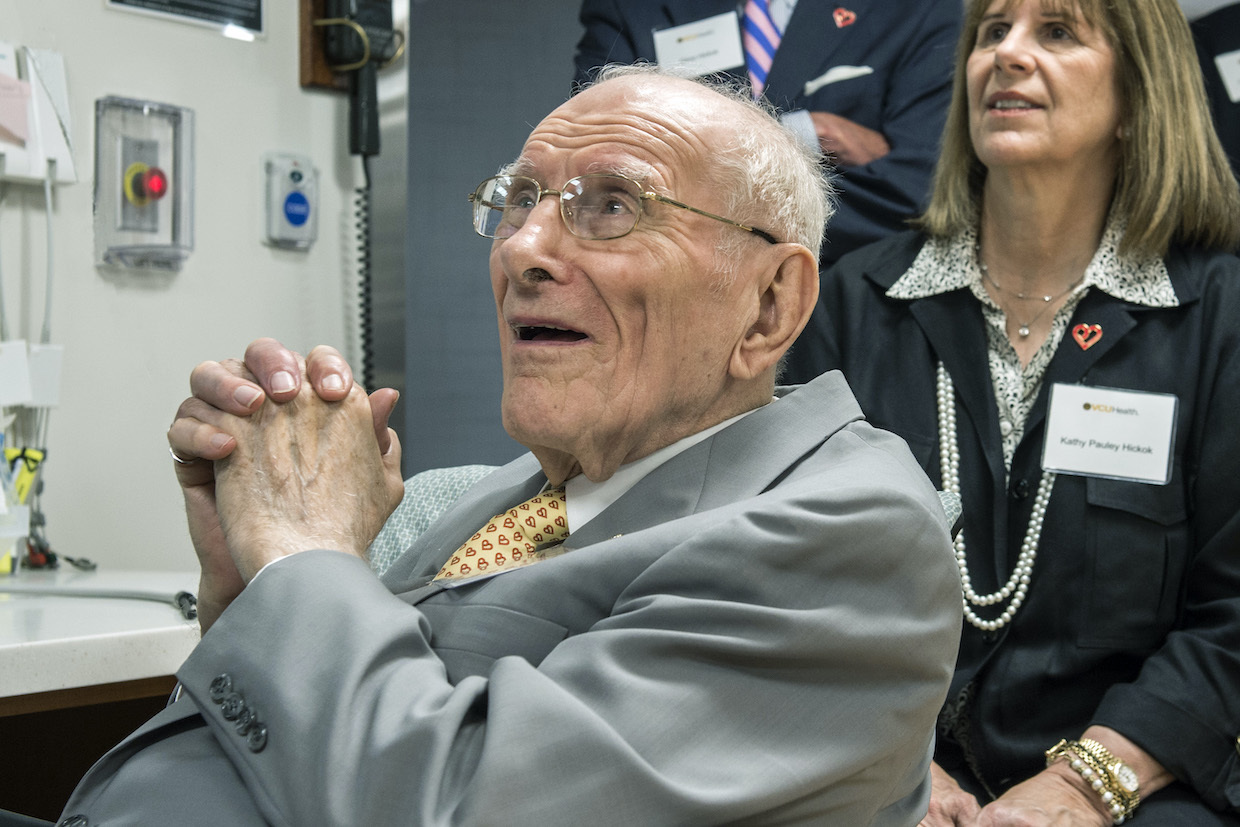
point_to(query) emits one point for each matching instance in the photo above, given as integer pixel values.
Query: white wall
(131, 341)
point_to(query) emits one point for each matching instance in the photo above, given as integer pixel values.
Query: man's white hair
(767, 176)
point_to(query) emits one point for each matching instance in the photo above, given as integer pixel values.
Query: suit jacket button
(75, 821)
(232, 706)
(245, 721)
(257, 738)
(220, 687)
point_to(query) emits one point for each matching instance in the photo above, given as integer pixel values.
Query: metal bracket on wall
(315, 71)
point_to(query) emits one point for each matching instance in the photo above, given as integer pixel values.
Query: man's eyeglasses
(596, 207)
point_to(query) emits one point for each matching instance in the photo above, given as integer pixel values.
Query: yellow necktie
(512, 539)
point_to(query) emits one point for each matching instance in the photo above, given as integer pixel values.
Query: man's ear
(787, 294)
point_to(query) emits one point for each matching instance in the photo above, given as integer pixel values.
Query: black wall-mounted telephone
(360, 39)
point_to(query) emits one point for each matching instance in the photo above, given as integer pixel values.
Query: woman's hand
(1055, 797)
(950, 806)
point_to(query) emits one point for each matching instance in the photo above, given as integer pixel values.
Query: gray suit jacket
(760, 631)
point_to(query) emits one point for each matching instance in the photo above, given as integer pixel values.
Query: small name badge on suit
(1108, 432)
(712, 44)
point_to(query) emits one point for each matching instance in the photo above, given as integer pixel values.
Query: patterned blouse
(944, 265)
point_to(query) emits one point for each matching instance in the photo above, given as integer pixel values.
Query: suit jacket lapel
(668, 492)
(815, 410)
(1071, 362)
(704, 476)
(690, 482)
(515, 482)
(807, 50)
(953, 324)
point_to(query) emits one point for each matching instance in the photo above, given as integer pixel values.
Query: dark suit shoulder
(1195, 271)
(883, 261)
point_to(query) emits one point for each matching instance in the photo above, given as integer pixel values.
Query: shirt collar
(947, 264)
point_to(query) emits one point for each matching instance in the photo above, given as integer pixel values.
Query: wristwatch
(1123, 774)
(1110, 777)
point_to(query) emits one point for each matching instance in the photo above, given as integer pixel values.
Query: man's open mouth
(540, 333)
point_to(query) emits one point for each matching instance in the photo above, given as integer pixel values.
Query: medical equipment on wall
(144, 174)
(292, 200)
(35, 150)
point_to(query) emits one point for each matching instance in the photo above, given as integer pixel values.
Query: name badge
(1112, 433)
(710, 45)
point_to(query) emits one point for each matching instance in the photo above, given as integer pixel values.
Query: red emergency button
(153, 182)
(144, 184)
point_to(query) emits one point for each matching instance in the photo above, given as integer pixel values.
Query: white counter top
(50, 642)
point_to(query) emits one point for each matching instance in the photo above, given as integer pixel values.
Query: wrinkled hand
(269, 371)
(305, 474)
(848, 142)
(950, 806)
(1054, 797)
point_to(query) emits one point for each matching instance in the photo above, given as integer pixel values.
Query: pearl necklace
(1017, 585)
(1023, 327)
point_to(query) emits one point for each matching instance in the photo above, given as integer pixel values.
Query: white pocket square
(834, 75)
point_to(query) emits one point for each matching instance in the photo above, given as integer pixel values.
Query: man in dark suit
(868, 81)
(754, 615)
(1216, 31)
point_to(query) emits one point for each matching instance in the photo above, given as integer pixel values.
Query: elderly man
(753, 617)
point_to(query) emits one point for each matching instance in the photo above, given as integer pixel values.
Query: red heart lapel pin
(1087, 335)
(844, 17)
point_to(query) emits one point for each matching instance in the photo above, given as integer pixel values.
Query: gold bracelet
(1114, 795)
(1124, 777)
(1110, 777)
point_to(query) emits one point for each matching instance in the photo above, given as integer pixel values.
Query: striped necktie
(761, 38)
(515, 538)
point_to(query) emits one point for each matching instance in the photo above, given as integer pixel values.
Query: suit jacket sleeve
(781, 657)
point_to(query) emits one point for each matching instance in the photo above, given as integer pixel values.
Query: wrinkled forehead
(1090, 11)
(657, 130)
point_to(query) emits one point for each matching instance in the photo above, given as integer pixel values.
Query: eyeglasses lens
(593, 206)
(601, 206)
(502, 203)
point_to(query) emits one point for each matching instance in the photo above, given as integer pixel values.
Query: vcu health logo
(1099, 407)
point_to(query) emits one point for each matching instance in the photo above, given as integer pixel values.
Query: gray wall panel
(482, 72)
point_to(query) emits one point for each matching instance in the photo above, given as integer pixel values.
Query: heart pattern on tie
(515, 538)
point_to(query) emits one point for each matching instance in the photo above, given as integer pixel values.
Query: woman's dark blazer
(1133, 616)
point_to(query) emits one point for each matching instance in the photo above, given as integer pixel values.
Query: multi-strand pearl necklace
(1017, 585)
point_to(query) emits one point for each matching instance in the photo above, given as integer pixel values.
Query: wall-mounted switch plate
(292, 200)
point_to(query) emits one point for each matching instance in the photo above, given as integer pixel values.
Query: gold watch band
(1110, 777)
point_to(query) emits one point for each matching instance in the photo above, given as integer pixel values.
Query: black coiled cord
(361, 215)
